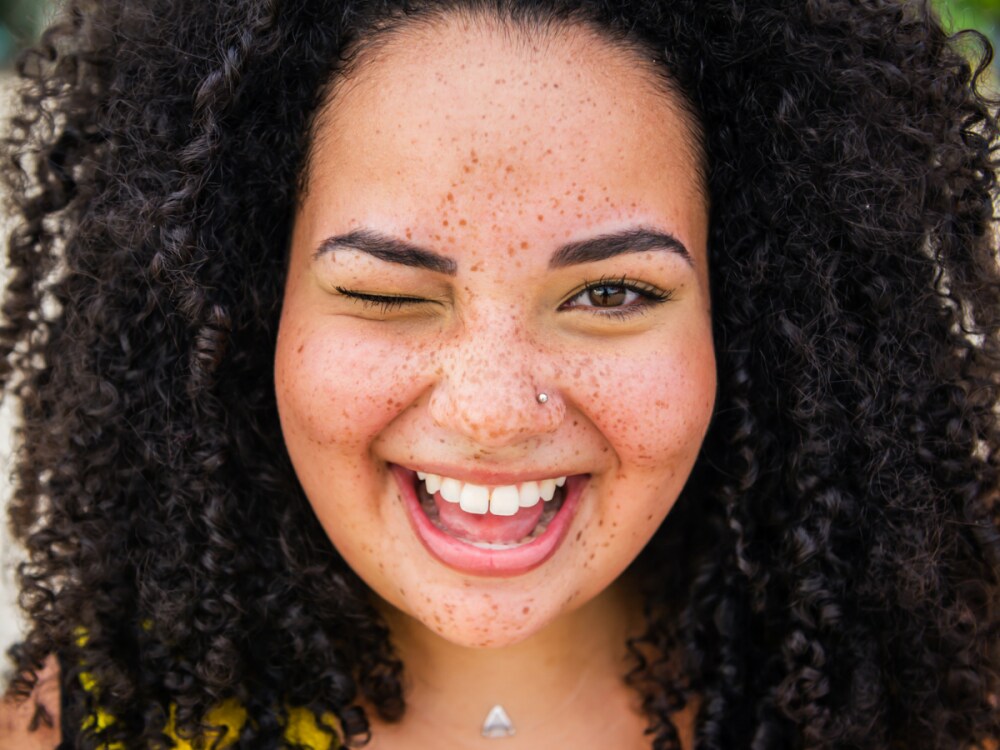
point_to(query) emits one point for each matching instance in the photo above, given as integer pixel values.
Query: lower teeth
(551, 508)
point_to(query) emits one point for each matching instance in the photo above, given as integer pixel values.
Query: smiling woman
(544, 374)
(456, 301)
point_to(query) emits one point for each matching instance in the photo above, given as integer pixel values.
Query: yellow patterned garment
(301, 728)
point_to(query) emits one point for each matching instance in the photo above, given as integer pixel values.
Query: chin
(478, 625)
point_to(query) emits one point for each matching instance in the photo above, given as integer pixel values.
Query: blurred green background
(983, 15)
(972, 14)
(20, 20)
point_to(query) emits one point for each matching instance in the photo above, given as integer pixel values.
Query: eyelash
(650, 294)
(383, 303)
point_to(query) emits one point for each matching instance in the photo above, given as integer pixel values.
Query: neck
(563, 682)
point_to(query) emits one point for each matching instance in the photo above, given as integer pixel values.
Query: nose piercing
(542, 398)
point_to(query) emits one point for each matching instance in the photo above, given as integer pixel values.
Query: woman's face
(489, 217)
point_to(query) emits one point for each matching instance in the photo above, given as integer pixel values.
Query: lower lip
(468, 558)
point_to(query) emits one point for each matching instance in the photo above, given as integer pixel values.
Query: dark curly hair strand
(830, 577)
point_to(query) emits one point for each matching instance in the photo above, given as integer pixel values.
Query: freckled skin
(486, 166)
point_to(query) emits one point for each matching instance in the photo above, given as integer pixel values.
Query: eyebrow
(390, 249)
(637, 240)
(605, 246)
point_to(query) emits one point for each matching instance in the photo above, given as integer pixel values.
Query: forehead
(507, 121)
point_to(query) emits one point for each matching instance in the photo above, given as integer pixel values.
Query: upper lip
(488, 477)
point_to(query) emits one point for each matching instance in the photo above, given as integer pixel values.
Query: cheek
(337, 387)
(653, 407)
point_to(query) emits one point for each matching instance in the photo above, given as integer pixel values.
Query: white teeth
(547, 488)
(433, 482)
(504, 501)
(500, 501)
(529, 495)
(451, 490)
(474, 499)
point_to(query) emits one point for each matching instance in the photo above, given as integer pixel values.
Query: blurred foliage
(982, 15)
(20, 23)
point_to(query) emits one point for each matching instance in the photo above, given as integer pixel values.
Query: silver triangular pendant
(498, 723)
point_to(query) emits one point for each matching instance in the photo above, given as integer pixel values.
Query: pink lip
(467, 558)
(487, 477)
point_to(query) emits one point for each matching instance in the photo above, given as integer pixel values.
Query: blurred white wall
(19, 20)
(10, 621)
(11, 625)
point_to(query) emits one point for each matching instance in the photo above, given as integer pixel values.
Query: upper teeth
(500, 501)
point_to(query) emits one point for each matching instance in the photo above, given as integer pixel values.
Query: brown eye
(616, 298)
(607, 295)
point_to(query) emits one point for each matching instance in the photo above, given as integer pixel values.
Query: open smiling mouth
(490, 518)
(502, 530)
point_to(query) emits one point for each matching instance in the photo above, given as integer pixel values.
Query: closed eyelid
(372, 295)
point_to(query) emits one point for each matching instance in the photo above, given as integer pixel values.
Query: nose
(491, 385)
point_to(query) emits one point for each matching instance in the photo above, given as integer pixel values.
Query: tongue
(488, 527)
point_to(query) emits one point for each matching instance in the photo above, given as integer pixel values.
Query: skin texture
(33, 723)
(495, 151)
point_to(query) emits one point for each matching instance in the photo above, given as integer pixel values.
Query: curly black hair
(830, 576)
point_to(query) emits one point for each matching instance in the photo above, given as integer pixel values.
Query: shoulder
(32, 723)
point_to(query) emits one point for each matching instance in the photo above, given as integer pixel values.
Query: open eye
(616, 297)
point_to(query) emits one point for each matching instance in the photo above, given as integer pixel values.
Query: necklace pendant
(498, 723)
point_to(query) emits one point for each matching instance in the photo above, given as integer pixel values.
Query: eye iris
(607, 296)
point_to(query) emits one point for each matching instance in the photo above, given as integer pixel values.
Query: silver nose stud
(542, 398)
